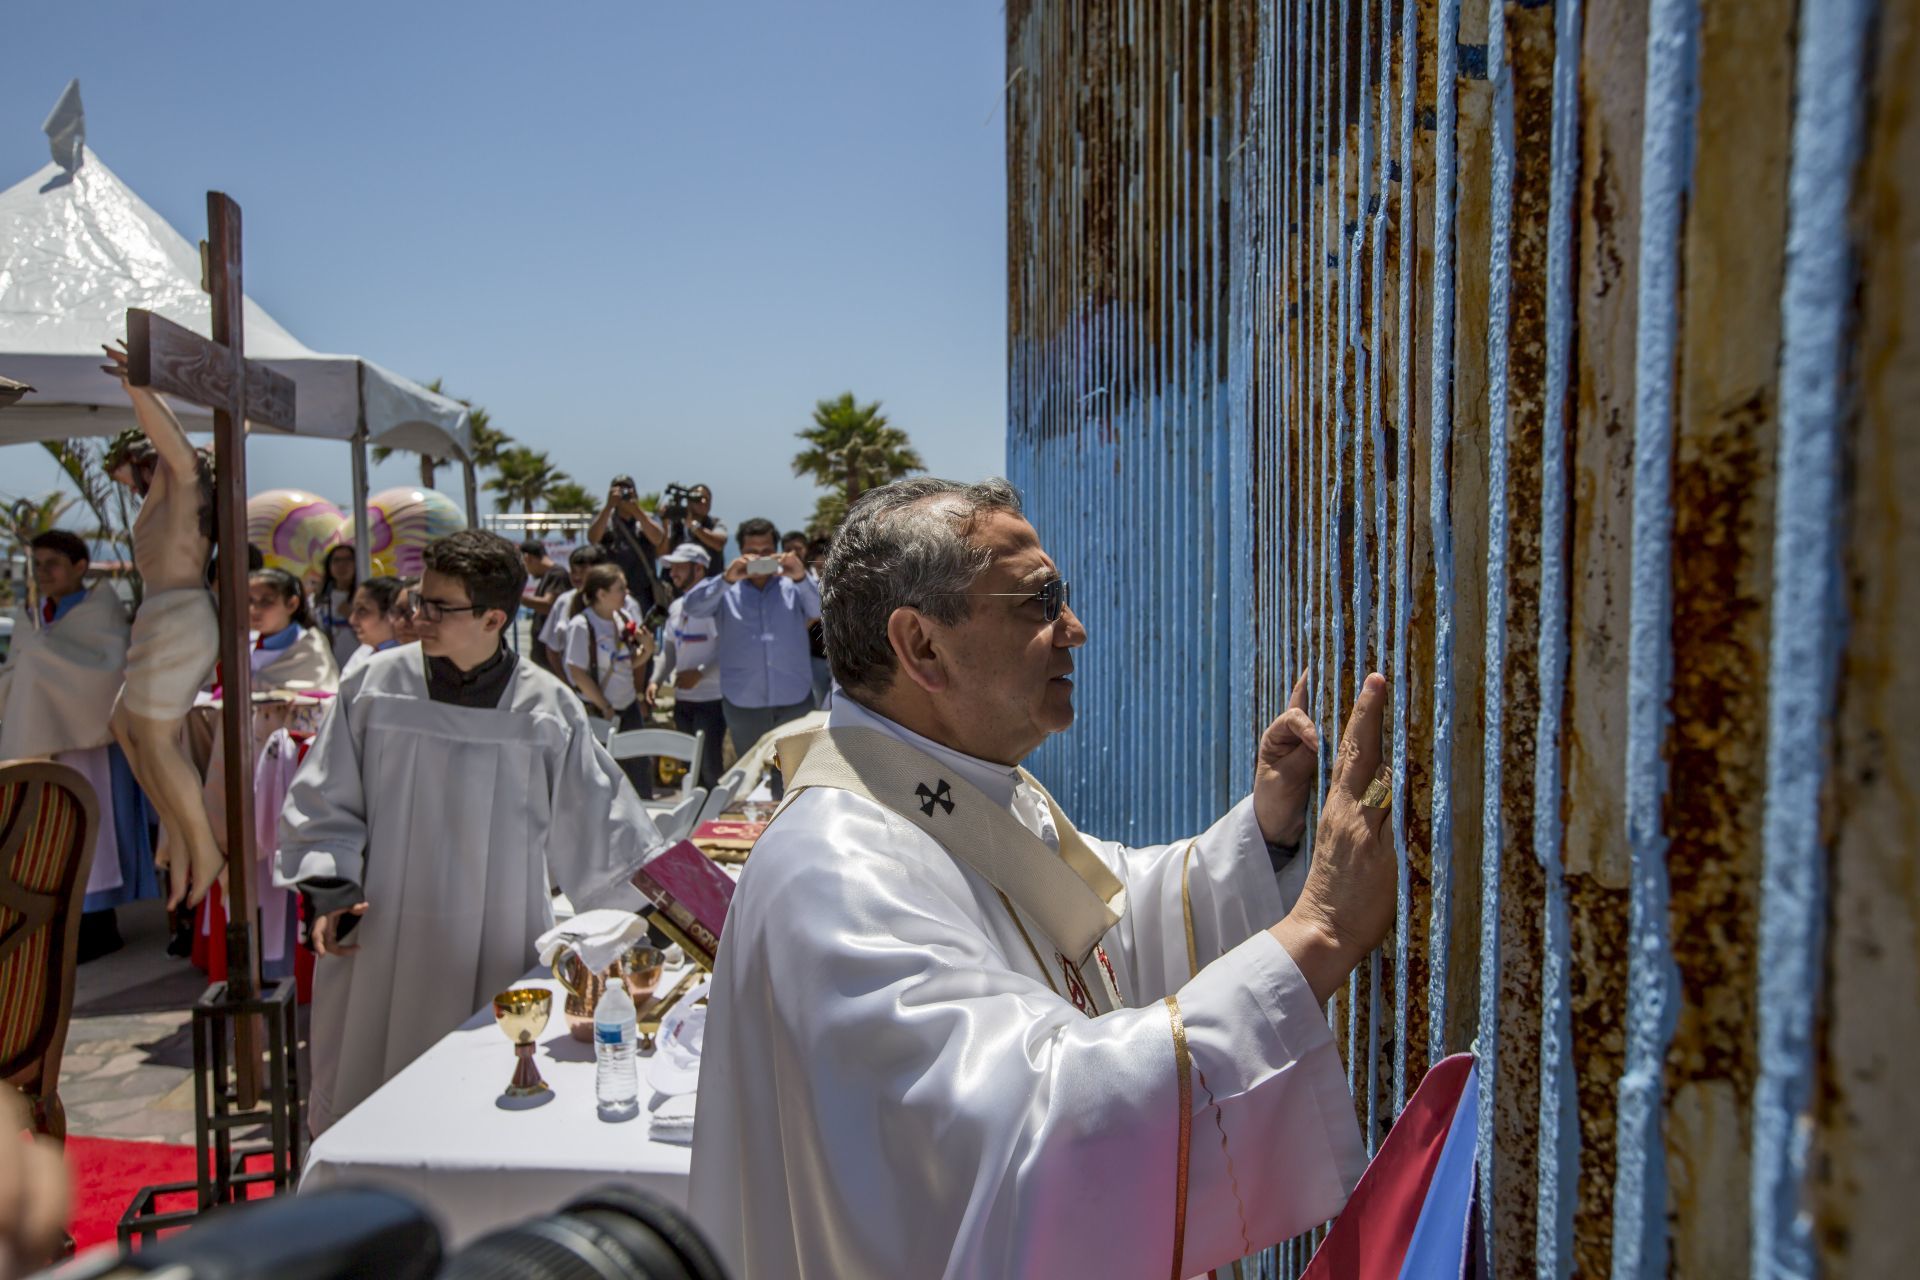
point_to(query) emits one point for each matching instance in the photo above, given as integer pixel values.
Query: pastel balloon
(400, 524)
(292, 529)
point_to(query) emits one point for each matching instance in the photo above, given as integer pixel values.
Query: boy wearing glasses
(451, 784)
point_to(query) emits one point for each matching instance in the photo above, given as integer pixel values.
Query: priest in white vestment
(451, 785)
(57, 689)
(949, 1036)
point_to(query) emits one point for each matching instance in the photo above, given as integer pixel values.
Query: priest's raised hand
(1346, 906)
(1284, 770)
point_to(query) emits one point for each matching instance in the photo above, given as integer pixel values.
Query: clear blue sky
(647, 236)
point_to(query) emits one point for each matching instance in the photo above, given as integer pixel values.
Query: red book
(729, 831)
(690, 894)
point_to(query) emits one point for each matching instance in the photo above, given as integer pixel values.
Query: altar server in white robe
(451, 784)
(950, 1036)
(57, 687)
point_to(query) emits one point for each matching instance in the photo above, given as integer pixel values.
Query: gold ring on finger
(1379, 793)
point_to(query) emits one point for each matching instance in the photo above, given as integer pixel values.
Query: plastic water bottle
(615, 1046)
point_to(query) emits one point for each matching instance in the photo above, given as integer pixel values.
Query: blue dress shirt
(61, 604)
(764, 660)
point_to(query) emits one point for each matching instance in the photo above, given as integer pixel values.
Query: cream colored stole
(1070, 895)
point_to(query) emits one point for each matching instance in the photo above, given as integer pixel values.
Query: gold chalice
(522, 1014)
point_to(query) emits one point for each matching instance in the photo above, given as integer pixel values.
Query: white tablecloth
(438, 1134)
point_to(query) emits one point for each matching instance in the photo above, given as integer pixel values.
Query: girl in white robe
(452, 823)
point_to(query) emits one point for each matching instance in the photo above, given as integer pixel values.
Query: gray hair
(903, 545)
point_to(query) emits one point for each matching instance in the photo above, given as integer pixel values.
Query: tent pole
(362, 550)
(473, 493)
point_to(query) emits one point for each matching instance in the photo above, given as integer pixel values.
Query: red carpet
(107, 1173)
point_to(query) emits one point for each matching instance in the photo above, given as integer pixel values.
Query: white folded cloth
(672, 1120)
(597, 937)
(675, 1068)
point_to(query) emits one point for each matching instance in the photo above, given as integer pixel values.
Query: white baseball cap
(686, 553)
(676, 1055)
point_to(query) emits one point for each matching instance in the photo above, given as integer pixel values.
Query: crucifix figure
(174, 631)
(175, 634)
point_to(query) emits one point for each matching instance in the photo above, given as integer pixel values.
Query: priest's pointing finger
(1358, 765)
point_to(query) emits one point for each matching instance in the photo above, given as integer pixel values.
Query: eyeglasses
(427, 609)
(1052, 597)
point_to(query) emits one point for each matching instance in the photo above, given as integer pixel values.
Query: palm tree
(571, 498)
(851, 448)
(488, 441)
(828, 512)
(523, 477)
(28, 518)
(82, 463)
(428, 463)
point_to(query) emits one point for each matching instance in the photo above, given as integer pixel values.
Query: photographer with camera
(632, 539)
(686, 512)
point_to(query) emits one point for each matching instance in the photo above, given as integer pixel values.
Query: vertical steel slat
(1403, 550)
(1559, 1104)
(1446, 113)
(1640, 1188)
(1808, 614)
(1493, 741)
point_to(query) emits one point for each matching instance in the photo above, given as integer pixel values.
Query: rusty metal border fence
(1560, 360)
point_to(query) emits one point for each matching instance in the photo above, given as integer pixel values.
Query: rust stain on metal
(1514, 1204)
(1722, 578)
(1865, 1162)
(1597, 915)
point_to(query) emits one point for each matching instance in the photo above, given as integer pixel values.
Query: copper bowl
(639, 967)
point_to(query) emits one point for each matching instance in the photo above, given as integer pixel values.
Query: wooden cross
(216, 373)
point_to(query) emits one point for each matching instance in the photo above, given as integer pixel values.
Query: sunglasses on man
(1052, 597)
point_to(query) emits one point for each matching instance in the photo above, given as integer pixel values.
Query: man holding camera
(686, 515)
(632, 539)
(763, 602)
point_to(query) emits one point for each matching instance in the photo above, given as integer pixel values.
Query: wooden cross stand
(216, 373)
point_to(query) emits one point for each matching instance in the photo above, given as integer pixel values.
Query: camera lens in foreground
(614, 1233)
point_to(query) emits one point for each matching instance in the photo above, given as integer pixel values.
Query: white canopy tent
(77, 249)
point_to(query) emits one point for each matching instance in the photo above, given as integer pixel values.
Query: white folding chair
(678, 819)
(720, 797)
(670, 743)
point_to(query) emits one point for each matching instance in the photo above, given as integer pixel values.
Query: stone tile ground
(128, 1069)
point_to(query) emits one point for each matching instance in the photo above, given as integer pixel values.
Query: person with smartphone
(763, 603)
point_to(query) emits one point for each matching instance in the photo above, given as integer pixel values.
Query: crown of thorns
(122, 448)
(132, 445)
